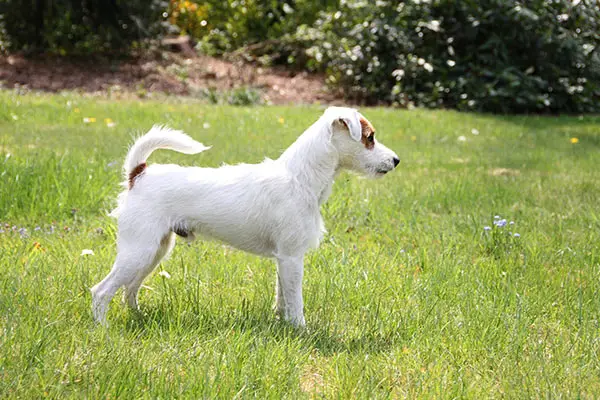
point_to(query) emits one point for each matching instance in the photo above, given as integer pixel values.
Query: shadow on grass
(262, 324)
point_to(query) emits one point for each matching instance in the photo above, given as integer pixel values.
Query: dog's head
(354, 138)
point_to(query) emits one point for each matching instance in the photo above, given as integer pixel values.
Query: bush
(243, 96)
(190, 18)
(491, 55)
(503, 56)
(224, 26)
(79, 27)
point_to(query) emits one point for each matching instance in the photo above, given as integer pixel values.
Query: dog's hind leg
(133, 287)
(136, 253)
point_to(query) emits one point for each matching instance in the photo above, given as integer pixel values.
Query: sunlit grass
(408, 295)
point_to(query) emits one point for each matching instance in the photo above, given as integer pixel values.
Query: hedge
(502, 56)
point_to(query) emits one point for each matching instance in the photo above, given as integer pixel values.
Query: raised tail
(159, 137)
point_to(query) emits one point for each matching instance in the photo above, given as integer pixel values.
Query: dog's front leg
(289, 303)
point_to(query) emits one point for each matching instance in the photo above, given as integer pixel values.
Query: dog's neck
(313, 161)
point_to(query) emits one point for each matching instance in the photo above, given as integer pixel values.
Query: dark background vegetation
(503, 56)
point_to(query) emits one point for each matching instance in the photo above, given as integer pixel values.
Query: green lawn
(408, 295)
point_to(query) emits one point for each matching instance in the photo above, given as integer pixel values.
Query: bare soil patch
(171, 73)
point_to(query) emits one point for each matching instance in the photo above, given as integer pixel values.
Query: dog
(271, 209)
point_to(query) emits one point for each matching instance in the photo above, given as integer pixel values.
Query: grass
(408, 295)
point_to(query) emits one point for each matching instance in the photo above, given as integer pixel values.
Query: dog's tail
(159, 137)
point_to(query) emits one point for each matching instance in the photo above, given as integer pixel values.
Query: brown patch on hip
(368, 134)
(137, 171)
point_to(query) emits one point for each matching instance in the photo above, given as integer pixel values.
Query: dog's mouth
(382, 171)
(377, 171)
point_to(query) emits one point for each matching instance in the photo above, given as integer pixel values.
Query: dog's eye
(371, 139)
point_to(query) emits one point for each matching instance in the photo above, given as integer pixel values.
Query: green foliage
(237, 23)
(243, 96)
(499, 56)
(189, 17)
(492, 55)
(71, 27)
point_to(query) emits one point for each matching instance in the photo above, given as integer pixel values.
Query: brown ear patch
(137, 171)
(368, 134)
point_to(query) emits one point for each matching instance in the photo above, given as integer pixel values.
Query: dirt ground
(172, 74)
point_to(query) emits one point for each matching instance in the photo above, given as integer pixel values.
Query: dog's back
(245, 205)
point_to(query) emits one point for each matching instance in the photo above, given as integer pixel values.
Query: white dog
(270, 209)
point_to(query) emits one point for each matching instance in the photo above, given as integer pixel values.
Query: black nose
(396, 161)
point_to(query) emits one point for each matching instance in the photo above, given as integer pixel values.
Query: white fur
(270, 209)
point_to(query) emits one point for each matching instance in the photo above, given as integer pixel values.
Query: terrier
(271, 209)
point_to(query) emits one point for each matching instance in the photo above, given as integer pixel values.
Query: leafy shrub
(79, 27)
(228, 25)
(189, 17)
(490, 55)
(243, 96)
(502, 56)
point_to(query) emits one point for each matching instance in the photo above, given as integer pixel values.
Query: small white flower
(462, 139)
(87, 252)
(398, 74)
(206, 125)
(434, 25)
(165, 274)
(474, 131)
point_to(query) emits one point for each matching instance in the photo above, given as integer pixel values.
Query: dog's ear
(348, 117)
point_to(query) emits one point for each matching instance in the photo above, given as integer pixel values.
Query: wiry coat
(270, 209)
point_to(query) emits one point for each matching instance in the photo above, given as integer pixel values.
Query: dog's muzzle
(396, 161)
